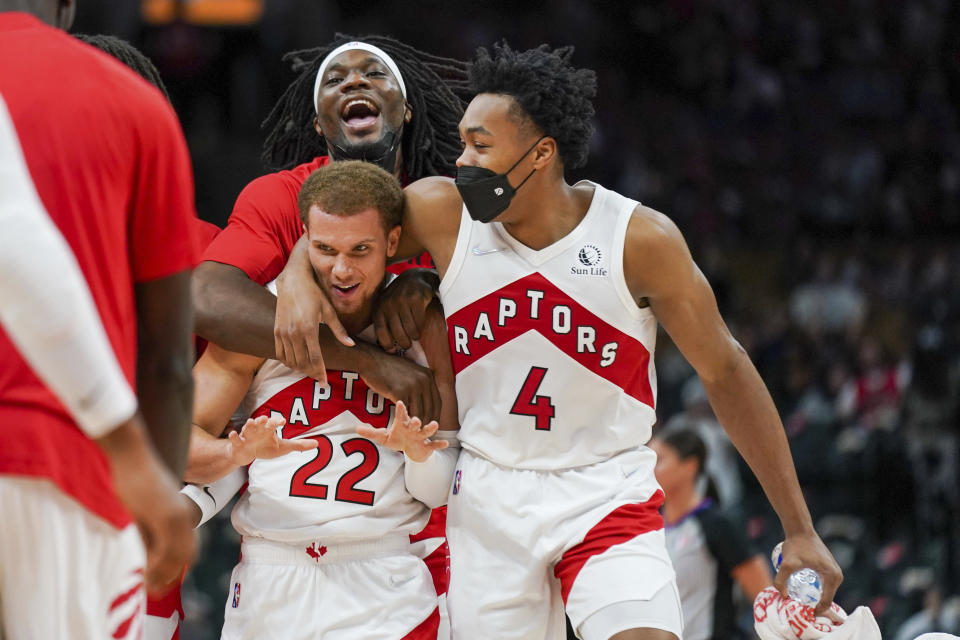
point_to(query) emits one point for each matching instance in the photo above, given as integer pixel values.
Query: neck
(682, 501)
(545, 211)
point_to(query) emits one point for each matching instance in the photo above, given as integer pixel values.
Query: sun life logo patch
(590, 257)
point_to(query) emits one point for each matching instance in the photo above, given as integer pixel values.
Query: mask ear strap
(521, 160)
(516, 188)
(524, 156)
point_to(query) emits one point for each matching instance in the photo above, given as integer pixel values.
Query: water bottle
(804, 585)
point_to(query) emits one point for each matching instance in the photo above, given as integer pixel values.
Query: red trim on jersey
(307, 388)
(620, 525)
(629, 370)
(426, 630)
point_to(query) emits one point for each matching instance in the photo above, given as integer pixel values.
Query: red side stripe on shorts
(620, 525)
(426, 630)
(124, 627)
(123, 597)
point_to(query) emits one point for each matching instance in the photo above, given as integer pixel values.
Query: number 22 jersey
(349, 488)
(552, 355)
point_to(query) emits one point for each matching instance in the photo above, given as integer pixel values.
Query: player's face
(359, 100)
(495, 139)
(349, 255)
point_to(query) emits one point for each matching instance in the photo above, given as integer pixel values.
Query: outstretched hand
(406, 434)
(258, 439)
(808, 550)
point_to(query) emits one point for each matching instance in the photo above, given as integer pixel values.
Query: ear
(407, 113)
(316, 126)
(393, 240)
(546, 153)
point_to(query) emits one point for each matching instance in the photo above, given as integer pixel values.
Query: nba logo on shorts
(456, 482)
(236, 595)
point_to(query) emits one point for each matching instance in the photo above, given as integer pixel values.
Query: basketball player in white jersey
(552, 294)
(326, 549)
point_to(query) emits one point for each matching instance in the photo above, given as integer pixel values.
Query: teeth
(362, 101)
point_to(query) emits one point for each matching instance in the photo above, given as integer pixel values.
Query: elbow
(727, 365)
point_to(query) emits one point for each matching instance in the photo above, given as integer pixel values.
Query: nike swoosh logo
(397, 581)
(477, 251)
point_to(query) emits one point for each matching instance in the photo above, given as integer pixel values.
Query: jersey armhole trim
(459, 253)
(619, 278)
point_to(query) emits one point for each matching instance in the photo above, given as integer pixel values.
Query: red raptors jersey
(110, 164)
(553, 357)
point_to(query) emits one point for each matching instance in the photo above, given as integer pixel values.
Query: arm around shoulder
(431, 220)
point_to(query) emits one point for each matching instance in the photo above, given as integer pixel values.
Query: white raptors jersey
(553, 357)
(349, 488)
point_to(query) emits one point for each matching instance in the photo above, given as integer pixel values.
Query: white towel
(779, 618)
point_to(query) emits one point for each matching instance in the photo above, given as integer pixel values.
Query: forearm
(745, 409)
(429, 481)
(208, 459)
(165, 390)
(232, 310)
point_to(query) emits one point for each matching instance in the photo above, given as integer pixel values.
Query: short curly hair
(550, 92)
(350, 187)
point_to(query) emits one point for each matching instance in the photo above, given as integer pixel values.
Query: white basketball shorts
(376, 590)
(525, 544)
(64, 572)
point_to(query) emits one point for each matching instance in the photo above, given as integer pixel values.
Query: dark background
(810, 154)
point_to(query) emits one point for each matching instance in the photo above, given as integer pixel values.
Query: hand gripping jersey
(349, 488)
(553, 358)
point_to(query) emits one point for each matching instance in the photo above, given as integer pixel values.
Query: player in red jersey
(376, 100)
(329, 527)
(554, 502)
(110, 166)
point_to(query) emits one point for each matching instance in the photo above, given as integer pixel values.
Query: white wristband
(429, 481)
(214, 497)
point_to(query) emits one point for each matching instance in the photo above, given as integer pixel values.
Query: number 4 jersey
(553, 357)
(347, 489)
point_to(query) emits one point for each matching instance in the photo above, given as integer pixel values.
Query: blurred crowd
(809, 152)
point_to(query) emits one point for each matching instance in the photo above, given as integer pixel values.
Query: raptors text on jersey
(553, 357)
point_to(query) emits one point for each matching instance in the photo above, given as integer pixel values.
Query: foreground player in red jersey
(376, 100)
(110, 166)
(553, 293)
(326, 547)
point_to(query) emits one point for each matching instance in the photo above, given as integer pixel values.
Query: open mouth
(345, 291)
(359, 113)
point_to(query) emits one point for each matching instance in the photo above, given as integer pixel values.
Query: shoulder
(434, 191)
(655, 255)
(432, 205)
(650, 230)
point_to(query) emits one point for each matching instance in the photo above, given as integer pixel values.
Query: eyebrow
(478, 129)
(338, 66)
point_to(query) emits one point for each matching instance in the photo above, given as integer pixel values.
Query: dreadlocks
(128, 55)
(436, 91)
